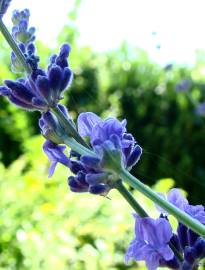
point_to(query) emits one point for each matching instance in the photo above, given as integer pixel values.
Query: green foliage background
(45, 226)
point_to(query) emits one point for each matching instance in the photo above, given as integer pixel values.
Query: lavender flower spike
(101, 131)
(41, 91)
(151, 242)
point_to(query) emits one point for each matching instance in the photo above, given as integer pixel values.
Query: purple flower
(108, 139)
(175, 197)
(183, 85)
(49, 125)
(41, 91)
(200, 110)
(113, 147)
(55, 154)
(4, 4)
(20, 31)
(186, 241)
(196, 211)
(151, 242)
(100, 131)
(29, 53)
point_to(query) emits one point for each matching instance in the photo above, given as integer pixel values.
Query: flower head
(151, 242)
(41, 90)
(186, 241)
(108, 139)
(4, 4)
(109, 131)
(20, 31)
(175, 197)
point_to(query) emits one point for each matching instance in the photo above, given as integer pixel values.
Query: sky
(169, 30)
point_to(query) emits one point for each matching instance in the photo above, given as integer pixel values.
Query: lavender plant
(102, 153)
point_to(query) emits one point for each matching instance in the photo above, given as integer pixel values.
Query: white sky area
(177, 26)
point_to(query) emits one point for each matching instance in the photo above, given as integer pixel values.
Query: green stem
(69, 126)
(181, 216)
(14, 47)
(130, 199)
(74, 145)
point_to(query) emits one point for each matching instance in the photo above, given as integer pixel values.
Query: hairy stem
(130, 199)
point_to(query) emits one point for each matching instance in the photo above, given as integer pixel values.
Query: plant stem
(181, 216)
(74, 145)
(130, 199)
(14, 47)
(69, 126)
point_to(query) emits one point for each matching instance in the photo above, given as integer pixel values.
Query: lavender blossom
(4, 4)
(40, 90)
(109, 141)
(113, 147)
(200, 110)
(31, 58)
(20, 31)
(55, 154)
(110, 130)
(175, 197)
(188, 243)
(151, 242)
(24, 37)
(183, 85)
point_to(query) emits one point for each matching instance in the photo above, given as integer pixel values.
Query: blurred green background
(45, 226)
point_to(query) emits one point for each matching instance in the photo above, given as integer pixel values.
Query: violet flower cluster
(154, 238)
(108, 139)
(24, 37)
(41, 90)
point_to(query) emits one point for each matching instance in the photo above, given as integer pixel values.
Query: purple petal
(66, 78)
(55, 77)
(50, 119)
(55, 154)
(64, 50)
(75, 186)
(95, 178)
(175, 197)
(98, 189)
(43, 85)
(64, 110)
(196, 211)
(19, 91)
(134, 156)
(39, 104)
(86, 122)
(21, 104)
(4, 91)
(91, 162)
(104, 129)
(52, 168)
